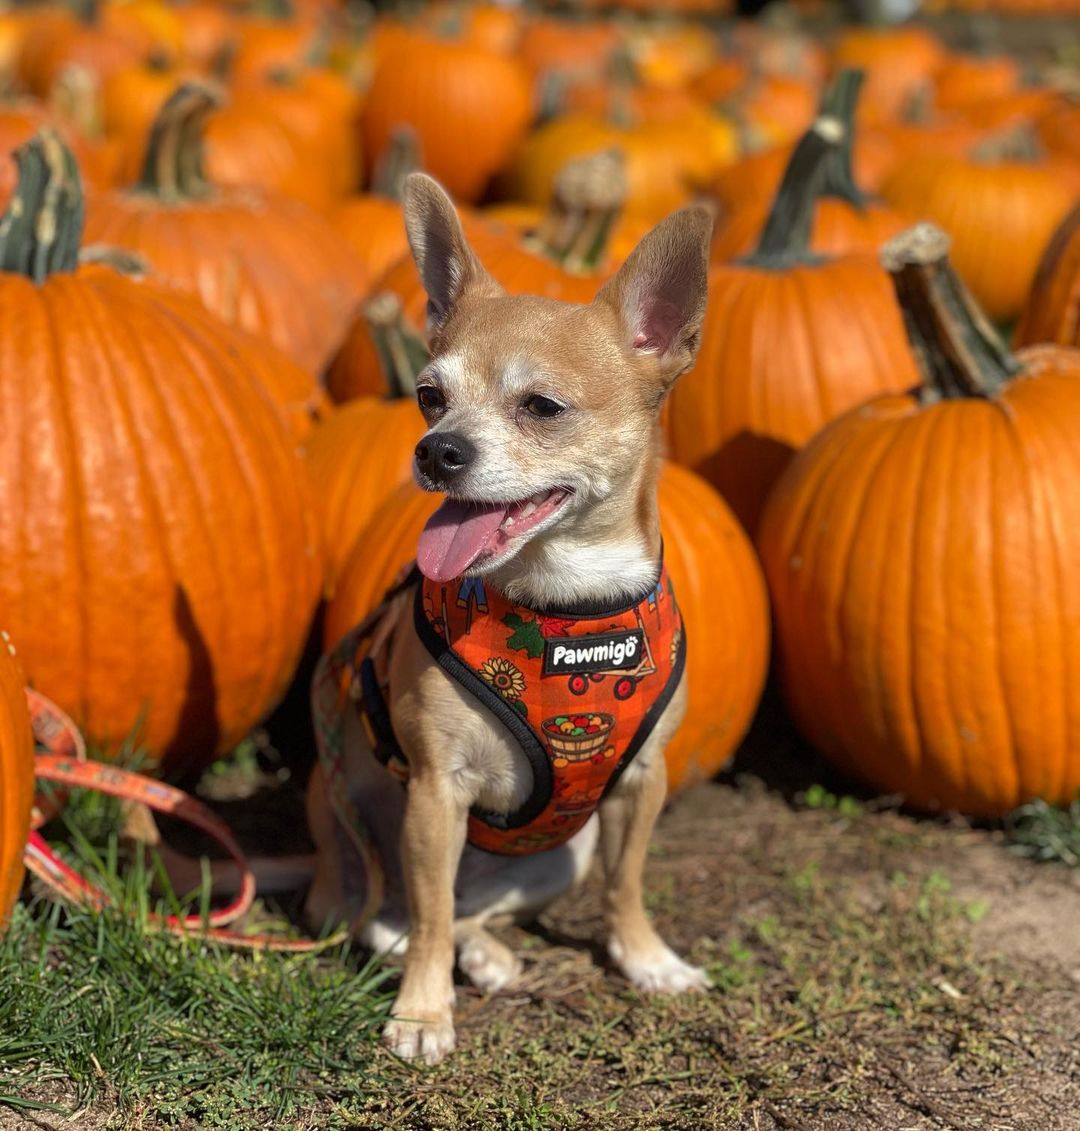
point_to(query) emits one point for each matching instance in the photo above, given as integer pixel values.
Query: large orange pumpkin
(791, 339)
(159, 560)
(717, 580)
(921, 554)
(1052, 312)
(999, 207)
(270, 266)
(469, 108)
(16, 775)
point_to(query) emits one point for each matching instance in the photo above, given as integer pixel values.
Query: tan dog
(555, 407)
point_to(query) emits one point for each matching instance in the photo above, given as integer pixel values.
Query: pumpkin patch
(212, 330)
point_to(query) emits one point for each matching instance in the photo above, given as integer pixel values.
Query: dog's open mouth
(460, 534)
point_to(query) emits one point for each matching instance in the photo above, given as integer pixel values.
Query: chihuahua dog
(544, 435)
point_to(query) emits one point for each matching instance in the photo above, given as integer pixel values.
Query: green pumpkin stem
(42, 228)
(786, 237)
(958, 350)
(401, 349)
(840, 102)
(400, 158)
(587, 200)
(173, 167)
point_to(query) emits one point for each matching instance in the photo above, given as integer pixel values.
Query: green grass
(117, 1011)
(1046, 832)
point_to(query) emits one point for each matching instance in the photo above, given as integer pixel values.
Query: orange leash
(61, 759)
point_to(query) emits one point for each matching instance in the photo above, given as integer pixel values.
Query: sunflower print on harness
(504, 677)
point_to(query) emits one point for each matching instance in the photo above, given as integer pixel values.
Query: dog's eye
(429, 398)
(543, 406)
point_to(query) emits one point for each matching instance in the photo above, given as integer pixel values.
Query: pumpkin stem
(840, 102)
(786, 236)
(587, 199)
(401, 350)
(400, 158)
(42, 227)
(173, 167)
(959, 352)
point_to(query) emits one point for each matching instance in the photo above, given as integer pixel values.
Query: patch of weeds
(818, 797)
(1046, 832)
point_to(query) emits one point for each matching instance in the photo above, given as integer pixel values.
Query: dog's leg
(627, 818)
(422, 1024)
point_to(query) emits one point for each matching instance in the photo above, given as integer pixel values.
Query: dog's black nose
(443, 456)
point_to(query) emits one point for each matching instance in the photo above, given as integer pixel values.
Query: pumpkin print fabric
(580, 694)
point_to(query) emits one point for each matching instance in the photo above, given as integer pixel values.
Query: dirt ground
(872, 970)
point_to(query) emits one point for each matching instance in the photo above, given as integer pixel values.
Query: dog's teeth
(538, 498)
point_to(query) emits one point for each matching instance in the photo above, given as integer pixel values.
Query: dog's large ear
(447, 265)
(659, 293)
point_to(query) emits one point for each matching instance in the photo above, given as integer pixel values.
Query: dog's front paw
(428, 1037)
(659, 970)
(487, 963)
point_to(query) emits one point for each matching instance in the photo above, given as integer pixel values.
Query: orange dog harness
(580, 693)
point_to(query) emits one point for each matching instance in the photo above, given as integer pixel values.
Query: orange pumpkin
(663, 165)
(721, 592)
(270, 266)
(771, 109)
(791, 339)
(1052, 312)
(468, 107)
(131, 99)
(13, 28)
(355, 460)
(845, 220)
(919, 554)
(209, 35)
(382, 354)
(21, 119)
(717, 580)
(900, 65)
(1059, 128)
(98, 43)
(269, 43)
(161, 559)
(16, 773)
(248, 148)
(385, 546)
(321, 110)
(578, 49)
(999, 207)
(965, 81)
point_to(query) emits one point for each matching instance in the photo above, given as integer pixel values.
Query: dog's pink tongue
(455, 536)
